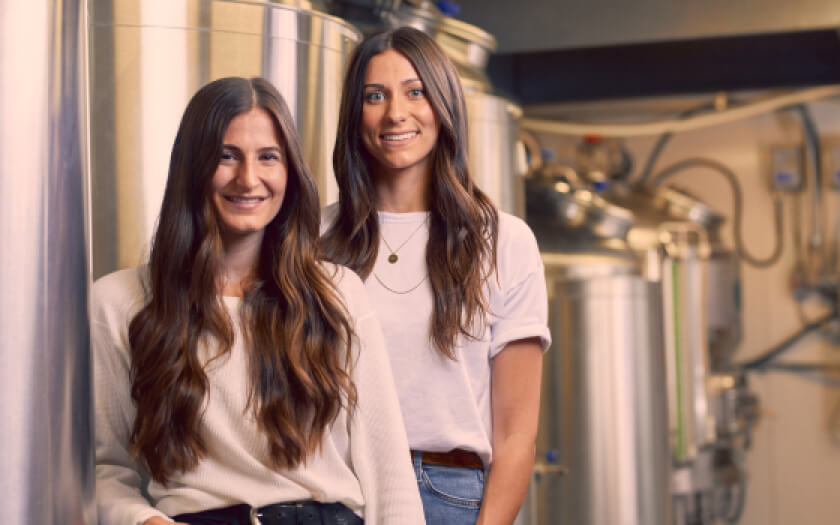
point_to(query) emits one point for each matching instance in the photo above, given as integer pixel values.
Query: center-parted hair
(463, 223)
(294, 324)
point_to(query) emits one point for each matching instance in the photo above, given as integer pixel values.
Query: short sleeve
(519, 304)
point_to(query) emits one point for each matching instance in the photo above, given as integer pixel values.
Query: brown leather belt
(454, 458)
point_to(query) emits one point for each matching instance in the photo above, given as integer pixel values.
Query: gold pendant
(392, 258)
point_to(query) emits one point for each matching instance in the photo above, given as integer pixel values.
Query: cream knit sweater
(363, 461)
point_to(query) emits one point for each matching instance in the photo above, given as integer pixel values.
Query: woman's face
(250, 180)
(399, 125)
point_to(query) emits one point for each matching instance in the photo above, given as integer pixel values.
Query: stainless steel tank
(496, 157)
(603, 412)
(676, 240)
(147, 59)
(46, 438)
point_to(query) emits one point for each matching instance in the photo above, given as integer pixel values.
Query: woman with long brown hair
(457, 284)
(238, 378)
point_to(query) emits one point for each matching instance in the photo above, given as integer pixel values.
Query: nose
(397, 109)
(247, 176)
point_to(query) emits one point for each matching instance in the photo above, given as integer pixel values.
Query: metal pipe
(813, 156)
(46, 438)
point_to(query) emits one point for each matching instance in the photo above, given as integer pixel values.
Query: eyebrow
(237, 148)
(404, 82)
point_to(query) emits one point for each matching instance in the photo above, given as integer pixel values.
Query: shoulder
(517, 253)
(515, 236)
(350, 288)
(120, 292)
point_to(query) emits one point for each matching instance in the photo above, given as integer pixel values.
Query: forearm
(515, 402)
(507, 482)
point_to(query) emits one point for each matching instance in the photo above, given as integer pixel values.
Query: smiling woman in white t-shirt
(458, 285)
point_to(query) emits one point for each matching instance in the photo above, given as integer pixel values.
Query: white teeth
(245, 199)
(401, 136)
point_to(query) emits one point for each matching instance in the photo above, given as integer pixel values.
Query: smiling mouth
(397, 137)
(244, 200)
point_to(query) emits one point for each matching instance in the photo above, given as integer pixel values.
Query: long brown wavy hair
(296, 327)
(463, 223)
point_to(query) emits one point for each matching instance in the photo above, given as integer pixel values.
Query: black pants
(292, 513)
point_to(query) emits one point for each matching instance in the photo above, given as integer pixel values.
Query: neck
(239, 262)
(403, 191)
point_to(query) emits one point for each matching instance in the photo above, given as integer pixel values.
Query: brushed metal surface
(147, 59)
(493, 130)
(604, 413)
(46, 439)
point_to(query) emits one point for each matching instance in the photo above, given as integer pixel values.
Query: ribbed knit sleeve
(118, 482)
(378, 445)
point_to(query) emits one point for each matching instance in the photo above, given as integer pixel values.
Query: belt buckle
(255, 516)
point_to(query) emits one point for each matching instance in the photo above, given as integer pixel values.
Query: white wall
(794, 468)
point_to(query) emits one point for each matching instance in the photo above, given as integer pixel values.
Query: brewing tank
(147, 59)
(46, 431)
(607, 416)
(675, 237)
(495, 155)
(603, 412)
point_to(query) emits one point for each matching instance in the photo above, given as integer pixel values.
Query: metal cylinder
(46, 433)
(604, 413)
(147, 59)
(494, 164)
(675, 238)
(496, 159)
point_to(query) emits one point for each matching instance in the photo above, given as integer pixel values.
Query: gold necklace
(393, 257)
(400, 292)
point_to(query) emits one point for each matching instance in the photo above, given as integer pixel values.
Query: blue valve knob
(448, 8)
(548, 154)
(600, 186)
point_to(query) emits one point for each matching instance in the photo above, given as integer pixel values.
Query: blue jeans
(450, 495)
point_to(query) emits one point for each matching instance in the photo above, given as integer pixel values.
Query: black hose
(738, 206)
(654, 156)
(814, 154)
(803, 367)
(834, 424)
(734, 516)
(647, 171)
(761, 361)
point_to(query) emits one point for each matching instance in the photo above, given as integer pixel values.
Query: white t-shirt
(363, 462)
(445, 403)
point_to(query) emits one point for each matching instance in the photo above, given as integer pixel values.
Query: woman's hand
(157, 520)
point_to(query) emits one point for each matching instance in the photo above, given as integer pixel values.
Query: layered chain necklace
(393, 258)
